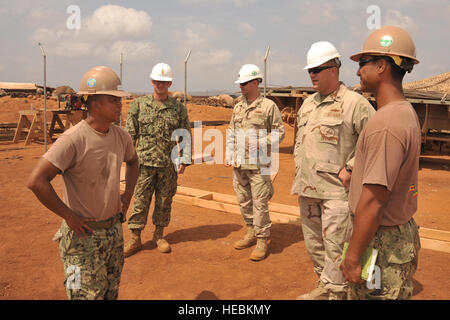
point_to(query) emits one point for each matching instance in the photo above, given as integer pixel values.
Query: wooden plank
(434, 234)
(184, 199)
(283, 208)
(437, 245)
(227, 198)
(215, 205)
(432, 239)
(190, 191)
(206, 196)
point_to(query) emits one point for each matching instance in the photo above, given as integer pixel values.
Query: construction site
(205, 219)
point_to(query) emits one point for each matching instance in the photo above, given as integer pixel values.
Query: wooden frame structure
(432, 108)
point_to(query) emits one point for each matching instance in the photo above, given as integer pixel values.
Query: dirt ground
(203, 264)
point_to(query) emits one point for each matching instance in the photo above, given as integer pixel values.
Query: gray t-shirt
(90, 162)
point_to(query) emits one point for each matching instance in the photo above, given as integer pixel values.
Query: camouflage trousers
(163, 183)
(253, 191)
(92, 265)
(398, 253)
(326, 226)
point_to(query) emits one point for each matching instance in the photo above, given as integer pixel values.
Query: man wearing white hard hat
(152, 122)
(89, 157)
(329, 123)
(255, 125)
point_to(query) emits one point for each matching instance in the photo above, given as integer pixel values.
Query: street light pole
(265, 71)
(121, 83)
(45, 95)
(185, 77)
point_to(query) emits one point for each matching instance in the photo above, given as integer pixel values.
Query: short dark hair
(90, 99)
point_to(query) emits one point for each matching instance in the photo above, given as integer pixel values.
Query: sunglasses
(245, 83)
(317, 70)
(363, 62)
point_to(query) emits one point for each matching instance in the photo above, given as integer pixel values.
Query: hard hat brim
(357, 56)
(160, 78)
(116, 93)
(321, 61)
(239, 81)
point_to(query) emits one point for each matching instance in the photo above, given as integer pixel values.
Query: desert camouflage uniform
(151, 123)
(398, 250)
(251, 182)
(328, 129)
(92, 265)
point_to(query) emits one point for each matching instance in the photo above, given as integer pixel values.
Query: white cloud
(104, 34)
(396, 18)
(200, 37)
(216, 56)
(112, 21)
(238, 3)
(241, 3)
(133, 51)
(245, 29)
(315, 13)
(200, 1)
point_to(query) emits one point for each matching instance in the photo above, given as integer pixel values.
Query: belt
(106, 224)
(387, 227)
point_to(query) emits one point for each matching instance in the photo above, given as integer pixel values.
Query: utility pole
(265, 70)
(45, 95)
(121, 83)
(185, 77)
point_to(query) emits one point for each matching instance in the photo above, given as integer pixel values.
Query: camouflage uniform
(152, 123)
(251, 183)
(328, 129)
(398, 249)
(92, 265)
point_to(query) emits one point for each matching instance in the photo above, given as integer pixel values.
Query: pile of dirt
(211, 101)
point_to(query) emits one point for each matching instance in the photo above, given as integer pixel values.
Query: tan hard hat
(101, 80)
(389, 41)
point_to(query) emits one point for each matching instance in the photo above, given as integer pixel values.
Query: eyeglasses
(160, 83)
(319, 69)
(363, 62)
(245, 83)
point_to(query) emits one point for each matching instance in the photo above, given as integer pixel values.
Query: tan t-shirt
(387, 154)
(90, 162)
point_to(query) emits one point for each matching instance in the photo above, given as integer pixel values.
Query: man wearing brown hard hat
(383, 187)
(89, 157)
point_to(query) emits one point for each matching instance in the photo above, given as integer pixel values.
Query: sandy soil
(203, 263)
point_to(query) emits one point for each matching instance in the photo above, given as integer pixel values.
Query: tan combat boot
(248, 240)
(260, 252)
(319, 293)
(163, 245)
(134, 244)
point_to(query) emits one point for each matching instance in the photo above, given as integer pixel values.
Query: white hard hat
(161, 72)
(248, 72)
(319, 53)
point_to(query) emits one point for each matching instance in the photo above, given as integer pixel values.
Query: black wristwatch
(349, 170)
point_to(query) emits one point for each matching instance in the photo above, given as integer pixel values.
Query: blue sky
(222, 35)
